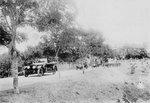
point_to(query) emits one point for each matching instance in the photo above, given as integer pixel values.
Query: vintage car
(40, 68)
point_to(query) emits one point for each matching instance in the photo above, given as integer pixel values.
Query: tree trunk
(12, 18)
(14, 67)
(14, 61)
(56, 56)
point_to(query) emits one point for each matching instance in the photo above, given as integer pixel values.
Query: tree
(129, 52)
(94, 43)
(32, 53)
(60, 44)
(13, 15)
(56, 21)
(38, 13)
(135, 53)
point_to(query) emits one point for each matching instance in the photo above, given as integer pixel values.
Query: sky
(122, 22)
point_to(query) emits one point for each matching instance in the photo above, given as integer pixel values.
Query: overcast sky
(121, 21)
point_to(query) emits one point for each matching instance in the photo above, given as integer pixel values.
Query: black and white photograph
(74, 51)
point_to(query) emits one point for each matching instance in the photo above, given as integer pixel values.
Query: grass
(67, 91)
(102, 85)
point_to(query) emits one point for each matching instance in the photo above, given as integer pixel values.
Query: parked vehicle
(51, 67)
(40, 67)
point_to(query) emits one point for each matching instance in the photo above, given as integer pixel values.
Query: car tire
(26, 74)
(55, 68)
(42, 72)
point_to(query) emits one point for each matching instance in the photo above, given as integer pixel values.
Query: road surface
(6, 83)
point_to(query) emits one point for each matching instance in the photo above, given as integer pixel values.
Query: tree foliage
(75, 43)
(136, 53)
(5, 37)
(5, 64)
(37, 13)
(55, 16)
(128, 52)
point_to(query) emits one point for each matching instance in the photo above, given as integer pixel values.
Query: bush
(5, 64)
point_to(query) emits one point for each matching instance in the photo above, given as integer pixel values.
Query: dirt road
(104, 75)
(6, 83)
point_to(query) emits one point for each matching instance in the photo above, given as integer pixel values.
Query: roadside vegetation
(111, 75)
(99, 85)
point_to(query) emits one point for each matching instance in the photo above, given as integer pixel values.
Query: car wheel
(26, 73)
(42, 72)
(55, 68)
